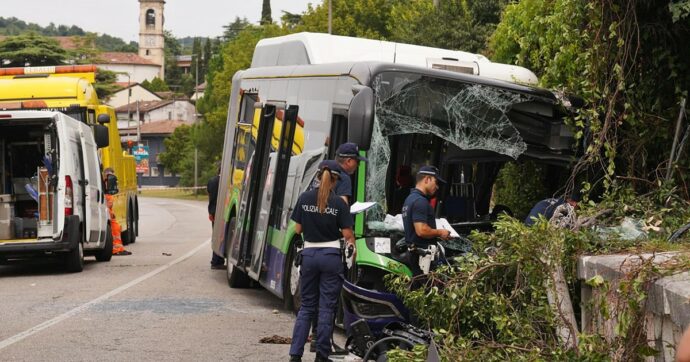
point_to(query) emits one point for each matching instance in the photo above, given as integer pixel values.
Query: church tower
(151, 41)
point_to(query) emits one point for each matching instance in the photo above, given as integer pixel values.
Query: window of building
(148, 52)
(154, 171)
(150, 18)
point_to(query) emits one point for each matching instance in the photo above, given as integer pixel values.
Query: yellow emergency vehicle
(69, 89)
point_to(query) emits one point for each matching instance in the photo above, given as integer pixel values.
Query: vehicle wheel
(74, 260)
(291, 295)
(129, 236)
(107, 252)
(236, 277)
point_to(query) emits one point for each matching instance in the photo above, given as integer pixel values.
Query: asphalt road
(162, 303)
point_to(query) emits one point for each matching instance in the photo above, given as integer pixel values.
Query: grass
(174, 194)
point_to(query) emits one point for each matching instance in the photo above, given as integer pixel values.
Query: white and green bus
(405, 106)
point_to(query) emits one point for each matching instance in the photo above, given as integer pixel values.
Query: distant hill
(104, 42)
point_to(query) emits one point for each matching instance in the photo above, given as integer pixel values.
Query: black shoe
(217, 266)
(295, 358)
(320, 358)
(123, 252)
(312, 345)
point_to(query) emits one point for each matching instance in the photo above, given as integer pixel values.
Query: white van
(51, 191)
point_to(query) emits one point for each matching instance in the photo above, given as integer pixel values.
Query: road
(161, 303)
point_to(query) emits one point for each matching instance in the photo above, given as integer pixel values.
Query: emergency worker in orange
(110, 181)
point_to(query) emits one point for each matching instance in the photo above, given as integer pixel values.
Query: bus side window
(338, 134)
(244, 144)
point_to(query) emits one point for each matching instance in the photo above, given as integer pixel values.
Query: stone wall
(668, 302)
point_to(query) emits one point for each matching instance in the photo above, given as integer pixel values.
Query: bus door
(269, 213)
(254, 185)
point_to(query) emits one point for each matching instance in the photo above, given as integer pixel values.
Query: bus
(69, 89)
(405, 106)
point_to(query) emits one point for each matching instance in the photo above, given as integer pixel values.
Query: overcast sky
(120, 18)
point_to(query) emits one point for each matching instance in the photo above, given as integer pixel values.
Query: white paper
(382, 245)
(358, 207)
(444, 224)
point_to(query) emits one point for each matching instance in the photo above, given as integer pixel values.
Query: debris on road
(276, 339)
(167, 254)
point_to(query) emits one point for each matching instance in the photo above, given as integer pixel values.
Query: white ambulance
(52, 200)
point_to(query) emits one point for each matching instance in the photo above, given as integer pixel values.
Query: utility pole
(330, 17)
(196, 149)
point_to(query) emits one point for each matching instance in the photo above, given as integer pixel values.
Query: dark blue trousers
(321, 279)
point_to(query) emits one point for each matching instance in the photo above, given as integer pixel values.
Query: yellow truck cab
(69, 89)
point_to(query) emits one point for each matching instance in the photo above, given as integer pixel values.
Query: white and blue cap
(331, 166)
(431, 171)
(350, 150)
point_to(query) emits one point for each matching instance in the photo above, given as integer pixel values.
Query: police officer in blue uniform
(346, 161)
(322, 218)
(418, 215)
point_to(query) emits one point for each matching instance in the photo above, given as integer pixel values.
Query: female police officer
(322, 218)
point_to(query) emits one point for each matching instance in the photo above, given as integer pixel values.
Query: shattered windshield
(468, 116)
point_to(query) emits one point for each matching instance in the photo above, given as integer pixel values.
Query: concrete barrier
(667, 306)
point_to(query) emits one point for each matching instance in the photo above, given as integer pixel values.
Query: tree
(155, 85)
(454, 24)
(31, 49)
(196, 57)
(266, 13)
(177, 147)
(234, 28)
(105, 84)
(207, 54)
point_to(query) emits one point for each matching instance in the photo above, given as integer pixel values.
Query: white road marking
(49, 323)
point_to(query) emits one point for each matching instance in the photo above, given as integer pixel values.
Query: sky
(120, 18)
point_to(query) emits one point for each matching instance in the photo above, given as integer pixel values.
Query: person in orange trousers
(110, 181)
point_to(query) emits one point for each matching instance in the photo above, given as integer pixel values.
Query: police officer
(346, 161)
(418, 215)
(322, 218)
(348, 158)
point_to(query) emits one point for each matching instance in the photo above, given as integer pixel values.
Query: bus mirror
(100, 133)
(103, 118)
(360, 117)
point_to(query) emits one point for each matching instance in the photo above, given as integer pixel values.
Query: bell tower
(151, 41)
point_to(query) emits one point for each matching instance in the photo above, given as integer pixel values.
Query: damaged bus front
(468, 127)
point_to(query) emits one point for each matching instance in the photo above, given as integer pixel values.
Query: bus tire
(106, 253)
(291, 295)
(236, 277)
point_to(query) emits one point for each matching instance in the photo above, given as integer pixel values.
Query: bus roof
(365, 71)
(317, 48)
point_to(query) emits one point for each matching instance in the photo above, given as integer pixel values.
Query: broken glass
(469, 116)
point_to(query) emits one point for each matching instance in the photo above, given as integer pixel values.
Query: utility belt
(323, 244)
(347, 253)
(427, 255)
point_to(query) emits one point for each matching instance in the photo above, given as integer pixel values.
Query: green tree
(105, 84)
(455, 24)
(173, 73)
(31, 49)
(196, 58)
(177, 147)
(266, 17)
(359, 18)
(627, 60)
(234, 28)
(155, 85)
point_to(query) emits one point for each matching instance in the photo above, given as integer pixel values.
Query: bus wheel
(291, 295)
(236, 277)
(131, 231)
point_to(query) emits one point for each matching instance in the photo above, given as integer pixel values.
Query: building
(130, 93)
(157, 111)
(199, 92)
(184, 62)
(153, 135)
(151, 39)
(130, 67)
